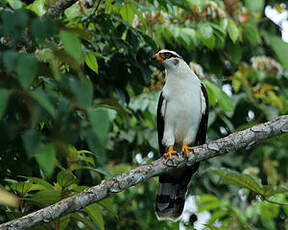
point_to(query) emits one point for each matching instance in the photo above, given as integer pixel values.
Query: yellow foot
(186, 149)
(170, 152)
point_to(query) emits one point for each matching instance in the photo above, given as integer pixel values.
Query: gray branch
(58, 9)
(233, 142)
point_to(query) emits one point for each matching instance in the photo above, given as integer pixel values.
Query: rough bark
(233, 142)
(58, 9)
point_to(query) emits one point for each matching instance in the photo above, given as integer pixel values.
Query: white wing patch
(203, 103)
(163, 108)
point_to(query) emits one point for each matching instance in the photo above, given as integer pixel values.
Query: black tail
(171, 194)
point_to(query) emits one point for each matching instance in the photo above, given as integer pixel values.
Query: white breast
(182, 110)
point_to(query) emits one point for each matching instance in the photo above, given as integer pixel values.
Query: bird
(182, 118)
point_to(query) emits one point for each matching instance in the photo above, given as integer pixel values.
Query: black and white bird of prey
(182, 117)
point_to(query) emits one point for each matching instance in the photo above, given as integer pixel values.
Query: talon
(170, 152)
(186, 149)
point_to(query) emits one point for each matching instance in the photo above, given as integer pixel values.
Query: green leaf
(108, 6)
(42, 29)
(104, 172)
(72, 45)
(45, 197)
(212, 227)
(37, 187)
(234, 52)
(96, 215)
(66, 178)
(285, 208)
(211, 206)
(22, 188)
(114, 104)
(211, 97)
(82, 33)
(91, 61)
(108, 205)
(269, 211)
(189, 37)
(89, 160)
(26, 69)
(38, 6)
(4, 95)
(84, 151)
(99, 120)
(31, 140)
(206, 35)
(140, 16)
(74, 11)
(10, 59)
(224, 23)
(85, 221)
(205, 30)
(279, 47)
(233, 30)
(40, 181)
(127, 13)
(250, 32)
(206, 198)
(81, 167)
(67, 59)
(64, 221)
(42, 99)
(241, 180)
(217, 216)
(225, 102)
(256, 6)
(15, 4)
(82, 90)
(210, 202)
(14, 23)
(96, 146)
(273, 190)
(78, 188)
(46, 158)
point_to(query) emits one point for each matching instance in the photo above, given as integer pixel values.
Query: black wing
(202, 130)
(160, 124)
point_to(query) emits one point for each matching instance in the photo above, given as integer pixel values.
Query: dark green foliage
(78, 99)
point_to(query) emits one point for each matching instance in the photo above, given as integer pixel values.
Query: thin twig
(93, 12)
(58, 9)
(57, 222)
(273, 202)
(96, 8)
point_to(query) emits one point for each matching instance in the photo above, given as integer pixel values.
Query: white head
(171, 60)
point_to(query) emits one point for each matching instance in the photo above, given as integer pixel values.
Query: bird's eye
(167, 55)
(162, 55)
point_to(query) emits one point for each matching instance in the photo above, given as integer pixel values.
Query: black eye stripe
(168, 55)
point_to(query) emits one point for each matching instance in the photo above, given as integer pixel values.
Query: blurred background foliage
(78, 105)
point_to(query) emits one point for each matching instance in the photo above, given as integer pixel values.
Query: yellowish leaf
(8, 199)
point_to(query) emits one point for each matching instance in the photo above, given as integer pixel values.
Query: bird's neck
(181, 72)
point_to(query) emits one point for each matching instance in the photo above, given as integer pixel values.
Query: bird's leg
(170, 152)
(186, 149)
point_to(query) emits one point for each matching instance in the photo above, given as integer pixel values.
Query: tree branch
(142, 173)
(58, 9)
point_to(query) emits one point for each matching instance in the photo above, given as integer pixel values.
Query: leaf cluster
(79, 97)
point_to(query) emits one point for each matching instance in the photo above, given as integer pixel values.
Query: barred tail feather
(171, 193)
(170, 200)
